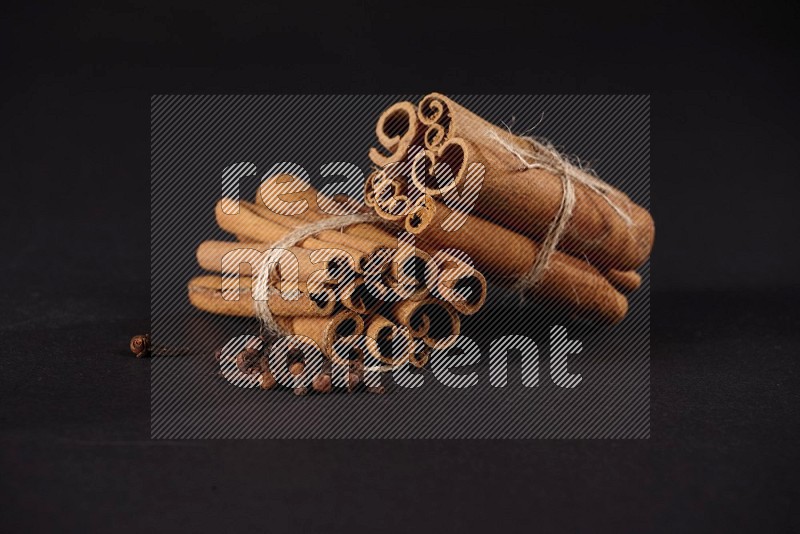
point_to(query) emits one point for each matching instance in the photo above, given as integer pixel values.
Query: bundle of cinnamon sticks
(453, 200)
(332, 284)
(527, 216)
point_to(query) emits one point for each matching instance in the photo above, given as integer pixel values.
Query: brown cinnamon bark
(246, 259)
(503, 254)
(205, 293)
(407, 267)
(462, 286)
(527, 200)
(431, 320)
(357, 297)
(365, 238)
(397, 129)
(373, 235)
(383, 341)
(325, 331)
(625, 281)
(421, 358)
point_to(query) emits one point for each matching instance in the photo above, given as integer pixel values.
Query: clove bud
(140, 345)
(248, 361)
(297, 368)
(267, 380)
(322, 383)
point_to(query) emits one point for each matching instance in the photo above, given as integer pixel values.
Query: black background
(74, 407)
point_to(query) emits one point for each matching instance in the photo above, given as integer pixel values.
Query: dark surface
(74, 406)
(76, 449)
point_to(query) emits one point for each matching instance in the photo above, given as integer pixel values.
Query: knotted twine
(543, 155)
(263, 289)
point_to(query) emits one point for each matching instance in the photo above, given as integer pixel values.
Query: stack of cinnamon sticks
(453, 200)
(454, 180)
(358, 279)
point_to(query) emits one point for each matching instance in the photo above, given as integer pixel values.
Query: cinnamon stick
(386, 342)
(246, 258)
(525, 199)
(325, 331)
(462, 286)
(205, 293)
(431, 320)
(504, 254)
(357, 297)
(625, 281)
(360, 237)
(397, 129)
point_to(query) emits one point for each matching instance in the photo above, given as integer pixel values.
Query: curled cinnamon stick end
(397, 129)
(459, 283)
(325, 331)
(388, 343)
(437, 171)
(358, 298)
(389, 195)
(444, 120)
(445, 323)
(393, 208)
(407, 273)
(420, 216)
(410, 314)
(369, 189)
(436, 114)
(471, 293)
(430, 319)
(421, 358)
(140, 345)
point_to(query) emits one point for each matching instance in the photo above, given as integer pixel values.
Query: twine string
(543, 155)
(263, 289)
